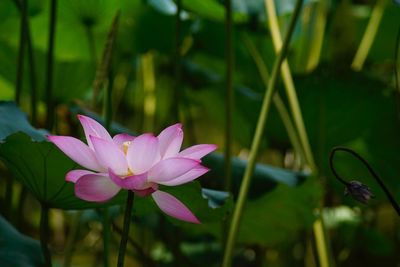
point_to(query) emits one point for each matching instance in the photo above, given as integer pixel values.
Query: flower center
(125, 146)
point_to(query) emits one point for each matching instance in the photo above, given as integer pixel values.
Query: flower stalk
(244, 188)
(125, 229)
(44, 234)
(358, 190)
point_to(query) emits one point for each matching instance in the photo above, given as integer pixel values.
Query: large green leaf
(13, 120)
(41, 167)
(17, 250)
(281, 215)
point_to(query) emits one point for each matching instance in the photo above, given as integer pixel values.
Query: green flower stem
(106, 236)
(148, 261)
(50, 66)
(389, 195)
(244, 188)
(229, 94)
(369, 35)
(125, 229)
(44, 234)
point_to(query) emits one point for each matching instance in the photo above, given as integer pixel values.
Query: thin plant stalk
(319, 231)
(177, 61)
(72, 236)
(21, 53)
(50, 66)
(369, 35)
(17, 98)
(103, 70)
(244, 188)
(32, 73)
(396, 61)
(44, 234)
(106, 237)
(91, 43)
(318, 35)
(389, 195)
(277, 100)
(229, 94)
(321, 242)
(25, 37)
(181, 109)
(31, 61)
(289, 85)
(106, 214)
(125, 229)
(138, 247)
(103, 67)
(149, 90)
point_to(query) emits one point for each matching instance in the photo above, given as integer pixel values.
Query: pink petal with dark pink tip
(187, 177)
(171, 168)
(171, 140)
(120, 139)
(197, 151)
(74, 175)
(110, 155)
(142, 153)
(173, 207)
(77, 151)
(137, 182)
(92, 128)
(96, 188)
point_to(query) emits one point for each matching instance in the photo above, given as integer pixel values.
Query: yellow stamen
(125, 146)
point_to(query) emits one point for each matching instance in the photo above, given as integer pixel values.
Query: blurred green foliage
(339, 106)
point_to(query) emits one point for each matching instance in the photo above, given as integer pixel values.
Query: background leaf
(17, 250)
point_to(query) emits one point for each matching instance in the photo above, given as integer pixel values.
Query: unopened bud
(358, 191)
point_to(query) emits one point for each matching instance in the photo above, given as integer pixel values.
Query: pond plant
(275, 100)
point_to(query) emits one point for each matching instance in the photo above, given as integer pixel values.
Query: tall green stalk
(369, 35)
(50, 66)
(277, 100)
(177, 62)
(244, 188)
(21, 53)
(322, 244)
(289, 85)
(106, 214)
(229, 94)
(396, 61)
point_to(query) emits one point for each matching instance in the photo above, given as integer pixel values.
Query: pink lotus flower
(138, 163)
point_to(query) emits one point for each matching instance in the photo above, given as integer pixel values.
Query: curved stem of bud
(350, 185)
